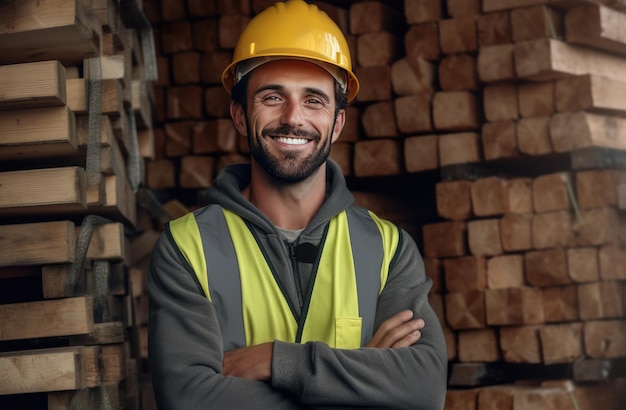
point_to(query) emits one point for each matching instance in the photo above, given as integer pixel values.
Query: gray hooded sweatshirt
(185, 341)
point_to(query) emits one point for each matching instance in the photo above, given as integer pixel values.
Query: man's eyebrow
(278, 87)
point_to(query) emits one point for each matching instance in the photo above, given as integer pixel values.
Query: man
(281, 293)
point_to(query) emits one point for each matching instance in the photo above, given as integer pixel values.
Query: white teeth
(292, 141)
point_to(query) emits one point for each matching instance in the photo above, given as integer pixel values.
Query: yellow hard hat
(292, 30)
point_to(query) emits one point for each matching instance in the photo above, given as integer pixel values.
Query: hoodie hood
(227, 186)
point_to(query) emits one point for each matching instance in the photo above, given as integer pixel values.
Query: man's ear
(239, 118)
(340, 121)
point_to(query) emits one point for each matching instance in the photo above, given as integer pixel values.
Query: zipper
(296, 273)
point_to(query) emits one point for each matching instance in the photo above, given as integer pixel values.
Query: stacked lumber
(75, 130)
(528, 254)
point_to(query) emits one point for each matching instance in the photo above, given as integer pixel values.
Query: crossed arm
(255, 362)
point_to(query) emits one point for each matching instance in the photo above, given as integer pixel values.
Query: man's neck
(287, 206)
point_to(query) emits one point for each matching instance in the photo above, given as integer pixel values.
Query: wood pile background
(494, 131)
(76, 108)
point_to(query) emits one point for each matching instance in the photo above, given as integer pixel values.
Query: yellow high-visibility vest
(332, 307)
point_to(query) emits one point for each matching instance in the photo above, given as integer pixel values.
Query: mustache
(288, 130)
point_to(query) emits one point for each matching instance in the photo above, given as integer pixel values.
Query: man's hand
(253, 363)
(400, 330)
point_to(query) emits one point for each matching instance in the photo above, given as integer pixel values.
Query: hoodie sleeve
(413, 377)
(185, 346)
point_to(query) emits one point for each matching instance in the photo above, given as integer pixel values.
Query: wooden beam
(31, 85)
(590, 93)
(37, 133)
(37, 243)
(596, 26)
(44, 370)
(49, 318)
(53, 30)
(42, 191)
(550, 59)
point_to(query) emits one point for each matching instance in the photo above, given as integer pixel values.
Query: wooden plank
(571, 131)
(612, 260)
(31, 85)
(582, 264)
(377, 158)
(44, 370)
(196, 171)
(60, 317)
(520, 344)
(108, 242)
(379, 121)
(590, 93)
(31, 31)
(422, 40)
(421, 153)
(463, 104)
(465, 310)
(600, 300)
(373, 17)
(378, 49)
(459, 148)
(599, 226)
(42, 191)
(552, 229)
(465, 273)
(513, 306)
(534, 22)
(412, 75)
(516, 232)
(549, 59)
(444, 239)
(458, 73)
(478, 345)
(453, 200)
(551, 192)
(546, 267)
(37, 133)
(505, 271)
(560, 303)
(536, 99)
(489, 196)
(499, 140)
(598, 188)
(519, 194)
(493, 5)
(496, 63)
(112, 96)
(119, 202)
(484, 237)
(596, 26)
(458, 35)
(494, 28)
(605, 339)
(500, 102)
(413, 114)
(533, 136)
(421, 11)
(37, 243)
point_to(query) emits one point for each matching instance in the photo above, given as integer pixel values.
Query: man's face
(290, 121)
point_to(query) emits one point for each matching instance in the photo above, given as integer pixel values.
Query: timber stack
(495, 132)
(75, 130)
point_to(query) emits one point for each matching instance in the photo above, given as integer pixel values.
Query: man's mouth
(291, 141)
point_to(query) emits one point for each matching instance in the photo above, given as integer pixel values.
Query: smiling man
(281, 292)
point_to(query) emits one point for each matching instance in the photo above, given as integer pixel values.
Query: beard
(289, 167)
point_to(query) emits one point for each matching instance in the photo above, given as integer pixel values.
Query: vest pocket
(348, 332)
